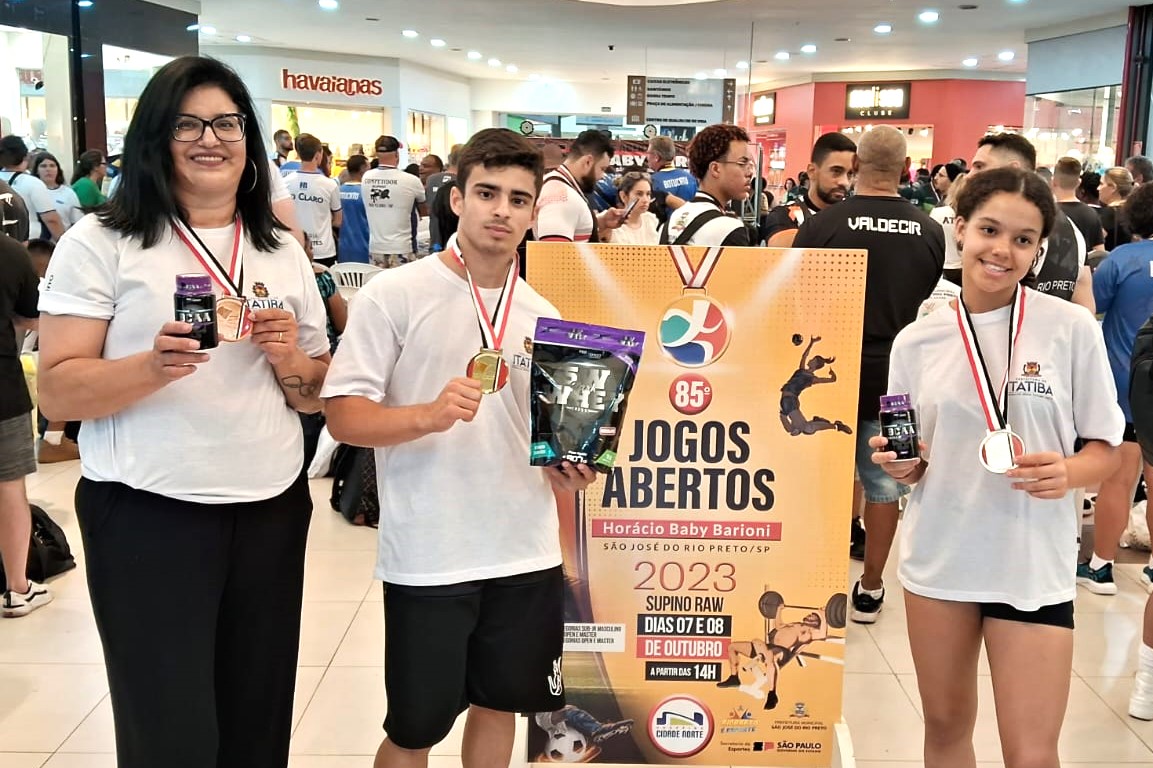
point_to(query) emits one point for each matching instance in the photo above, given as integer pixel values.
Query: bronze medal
(233, 318)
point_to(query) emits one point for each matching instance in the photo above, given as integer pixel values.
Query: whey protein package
(581, 378)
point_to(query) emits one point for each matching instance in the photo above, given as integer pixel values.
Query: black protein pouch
(581, 378)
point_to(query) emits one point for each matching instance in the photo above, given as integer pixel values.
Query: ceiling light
(475, 55)
(84, 3)
(720, 73)
(782, 56)
(244, 38)
(702, 76)
(1006, 55)
(494, 62)
(742, 65)
(971, 62)
(883, 28)
(436, 42)
(929, 17)
(808, 48)
(512, 69)
(410, 33)
(207, 29)
(328, 5)
(192, 27)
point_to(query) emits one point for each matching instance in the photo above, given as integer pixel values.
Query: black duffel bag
(48, 551)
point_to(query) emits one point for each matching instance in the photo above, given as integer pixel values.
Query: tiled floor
(54, 709)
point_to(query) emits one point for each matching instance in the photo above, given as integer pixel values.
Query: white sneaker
(1141, 700)
(16, 604)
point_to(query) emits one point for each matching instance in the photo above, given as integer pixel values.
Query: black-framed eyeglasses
(228, 127)
(744, 162)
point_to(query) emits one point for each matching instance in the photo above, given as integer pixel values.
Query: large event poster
(706, 604)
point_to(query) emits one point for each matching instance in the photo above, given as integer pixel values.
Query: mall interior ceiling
(762, 41)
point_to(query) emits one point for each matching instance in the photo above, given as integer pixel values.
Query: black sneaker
(772, 701)
(732, 681)
(857, 540)
(865, 607)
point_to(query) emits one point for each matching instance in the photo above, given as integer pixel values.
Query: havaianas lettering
(891, 226)
(349, 86)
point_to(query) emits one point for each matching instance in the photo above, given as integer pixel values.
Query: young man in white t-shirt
(317, 200)
(390, 196)
(469, 548)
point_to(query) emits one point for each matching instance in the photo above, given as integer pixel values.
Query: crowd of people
(979, 303)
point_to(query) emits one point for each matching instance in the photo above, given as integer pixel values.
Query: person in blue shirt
(354, 229)
(672, 186)
(1123, 289)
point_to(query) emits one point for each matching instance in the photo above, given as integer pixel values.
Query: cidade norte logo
(681, 726)
(347, 86)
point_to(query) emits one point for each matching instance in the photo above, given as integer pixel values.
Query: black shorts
(1130, 435)
(1059, 615)
(495, 643)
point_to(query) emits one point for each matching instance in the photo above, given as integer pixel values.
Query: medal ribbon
(492, 333)
(996, 412)
(695, 278)
(230, 280)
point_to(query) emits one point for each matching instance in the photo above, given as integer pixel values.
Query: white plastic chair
(350, 277)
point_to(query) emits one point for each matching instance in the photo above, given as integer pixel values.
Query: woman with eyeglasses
(47, 168)
(91, 169)
(192, 503)
(635, 191)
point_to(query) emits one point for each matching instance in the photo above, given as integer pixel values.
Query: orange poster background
(767, 295)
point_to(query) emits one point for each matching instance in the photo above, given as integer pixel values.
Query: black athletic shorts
(1059, 615)
(1130, 435)
(495, 643)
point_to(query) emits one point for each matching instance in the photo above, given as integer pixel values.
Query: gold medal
(489, 368)
(233, 318)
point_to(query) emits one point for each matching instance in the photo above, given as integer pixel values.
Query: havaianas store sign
(345, 86)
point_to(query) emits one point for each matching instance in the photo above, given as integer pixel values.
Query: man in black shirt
(19, 294)
(906, 255)
(830, 177)
(1066, 177)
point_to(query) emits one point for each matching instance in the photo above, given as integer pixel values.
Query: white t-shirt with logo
(389, 196)
(945, 216)
(562, 212)
(317, 197)
(224, 434)
(967, 535)
(67, 205)
(464, 504)
(37, 198)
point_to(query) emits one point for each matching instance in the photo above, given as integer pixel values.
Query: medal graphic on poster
(233, 314)
(694, 331)
(1001, 446)
(488, 366)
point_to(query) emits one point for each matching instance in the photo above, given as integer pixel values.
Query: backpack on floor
(48, 550)
(354, 485)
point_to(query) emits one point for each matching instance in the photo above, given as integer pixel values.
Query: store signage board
(765, 108)
(680, 101)
(866, 101)
(335, 84)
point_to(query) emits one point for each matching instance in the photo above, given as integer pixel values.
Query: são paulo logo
(694, 331)
(681, 726)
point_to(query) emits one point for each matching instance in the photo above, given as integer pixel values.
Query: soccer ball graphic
(567, 745)
(694, 331)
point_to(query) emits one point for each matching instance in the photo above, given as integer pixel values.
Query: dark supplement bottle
(196, 304)
(899, 427)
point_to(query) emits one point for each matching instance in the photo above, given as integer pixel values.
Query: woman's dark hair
(1138, 211)
(1014, 181)
(1090, 187)
(40, 158)
(89, 161)
(789, 181)
(145, 202)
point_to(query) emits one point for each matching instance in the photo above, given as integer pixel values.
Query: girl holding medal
(192, 504)
(1004, 380)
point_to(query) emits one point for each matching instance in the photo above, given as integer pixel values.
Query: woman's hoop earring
(255, 177)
